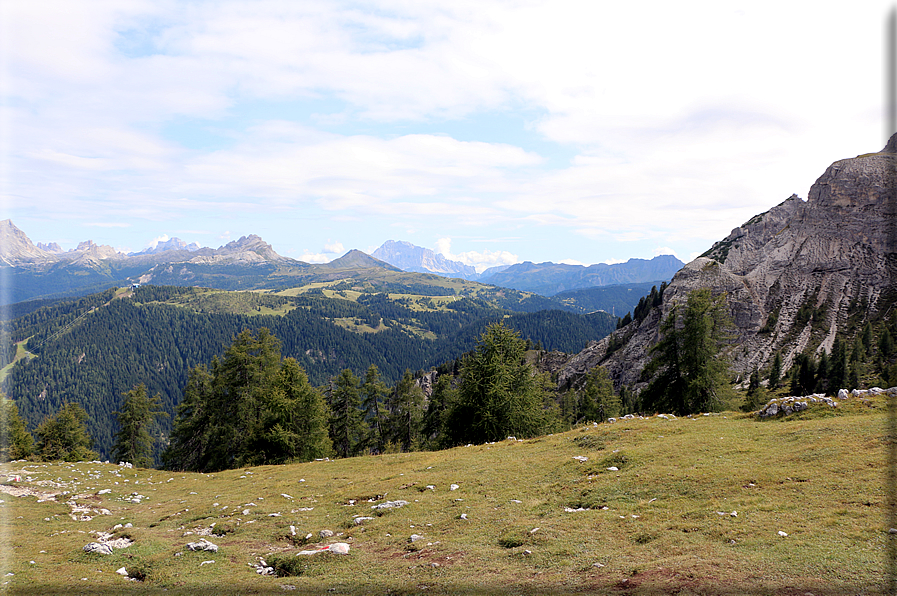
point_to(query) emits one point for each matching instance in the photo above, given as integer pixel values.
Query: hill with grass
(711, 504)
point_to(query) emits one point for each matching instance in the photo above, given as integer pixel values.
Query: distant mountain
(549, 279)
(616, 300)
(355, 259)
(172, 244)
(409, 257)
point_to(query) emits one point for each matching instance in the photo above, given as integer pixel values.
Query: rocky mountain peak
(17, 249)
(408, 257)
(824, 255)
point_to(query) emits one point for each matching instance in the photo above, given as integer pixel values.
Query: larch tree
(499, 393)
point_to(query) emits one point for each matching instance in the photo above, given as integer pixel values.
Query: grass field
(696, 506)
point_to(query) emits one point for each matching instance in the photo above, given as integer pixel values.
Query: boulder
(203, 545)
(96, 547)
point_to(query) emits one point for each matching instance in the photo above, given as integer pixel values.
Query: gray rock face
(831, 254)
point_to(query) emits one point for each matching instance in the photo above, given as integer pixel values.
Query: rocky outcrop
(792, 276)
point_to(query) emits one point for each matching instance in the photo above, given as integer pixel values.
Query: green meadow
(695, 506)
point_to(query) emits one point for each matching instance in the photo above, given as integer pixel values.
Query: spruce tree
(64, 435)
(775, 371)
(691, 376)
(346, 425)
(133, 441)
(405, 413)
(373, 391)
(15, 440)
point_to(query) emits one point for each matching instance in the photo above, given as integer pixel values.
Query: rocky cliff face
(793, 277)
(409, 257)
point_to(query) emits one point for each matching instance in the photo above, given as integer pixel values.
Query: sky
(493, 132)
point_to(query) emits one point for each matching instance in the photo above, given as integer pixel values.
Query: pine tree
(133, 441)
(692, 376)
(64, 435)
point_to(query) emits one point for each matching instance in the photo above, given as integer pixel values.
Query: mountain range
(46, 271)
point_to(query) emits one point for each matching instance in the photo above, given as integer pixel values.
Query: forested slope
(92, 350)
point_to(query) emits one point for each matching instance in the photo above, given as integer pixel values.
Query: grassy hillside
(662, 523)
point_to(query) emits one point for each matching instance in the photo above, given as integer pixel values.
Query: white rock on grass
(203, 545)
(782, 534)
(122, 571)
(96, 547)
(390, 505)
(361, 519)
(325, 533)
(454, 487)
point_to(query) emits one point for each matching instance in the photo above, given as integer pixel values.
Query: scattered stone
(431, 487)
(325, 533)
(206, 563)
(361, 519)
(613, 469)
(98, 548)
(581, 458)
(105, 491)
(892, 531)
(534, 530)
(454, 487)
(782, 534)
(599, 565)
(415, 537)
(203, 545)
(463, 516)
(571, 510)
(337, 548)
(285, 496)
(390, 505)
(122, 571)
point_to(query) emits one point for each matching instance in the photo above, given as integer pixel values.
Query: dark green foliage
(597, 400)
(405, 413)
(64, 436)
(373, 392)
(885, 343)
(251, 408)
(98, 347)
(498, 395)
(346, 425)
(803, 375)
(775, 371)
(440, 403)
(624, 321)
(133, 442)
(15, 440)
(691, 375)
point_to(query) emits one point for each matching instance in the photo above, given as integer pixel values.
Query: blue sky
(493, 132)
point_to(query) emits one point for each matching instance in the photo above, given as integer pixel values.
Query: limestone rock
(98, 548)
(203, 545)
(824, 254)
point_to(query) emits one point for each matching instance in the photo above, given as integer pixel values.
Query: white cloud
(155, 241)
(309, 257)
(333, 247)
(478, 260)
(665, 250)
